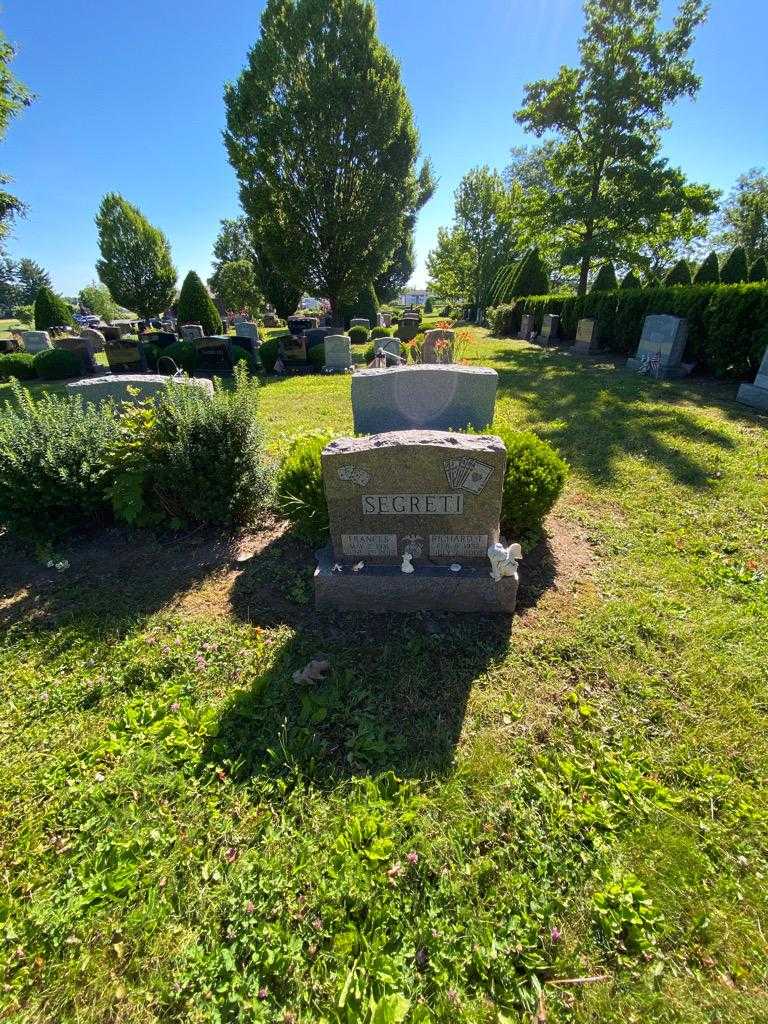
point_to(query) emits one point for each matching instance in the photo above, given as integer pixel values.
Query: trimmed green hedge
(727, 324)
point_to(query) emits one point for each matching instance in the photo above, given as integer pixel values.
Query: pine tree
(605, 281)
(51, 311)
(709, 271)
(759, 270)
(679, 274)
(195, 306)
(631, 280)
(735, 270)
(530, 278)
(653, 281)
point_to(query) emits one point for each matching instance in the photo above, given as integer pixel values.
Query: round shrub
(248, 359)
(299, 490)
(51, 311)
(152, 353)
(20, 365)
(54, 467)
(358, 335)
(381, 332)
(268, 352)
(57, 364)
(533, 481)
(183, 354)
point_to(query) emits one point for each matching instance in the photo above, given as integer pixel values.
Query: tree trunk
(586, 259)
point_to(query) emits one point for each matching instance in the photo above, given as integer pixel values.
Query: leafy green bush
(316, 355)
(20, 365)
(25, 314)
(679, 274)
(709, 271)
(195, 306)
(358, 335)
(533, 481)
(381, 332)
(185, 458)
(57, 364)
(735, 270)
(248, 359)
(51, 311)
(365, 305)
(54, 466)
(631, 280)
(268, 352)
(299, 490)
(605, 279)
(152, 353)
(183, 354)
(428, 306)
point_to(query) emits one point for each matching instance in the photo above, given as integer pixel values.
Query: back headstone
(587, 337)
(661, 348)
(432, 397)
(316, 336)
(392, 347)
(412, 515)
(248, 329)
(125, 356)
(133, 387)
(360, 321)
(438, 347)
(756, 394)
(338, 352)
(111, 332)
(81, 347)
(192, 332)
(550, 327)
(408, 328)
(95, 337)
(385, 319)
(270, 320)
(214, 354)
(36, 341)
(527, 327)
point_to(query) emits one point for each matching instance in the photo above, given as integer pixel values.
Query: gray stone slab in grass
(120, 386)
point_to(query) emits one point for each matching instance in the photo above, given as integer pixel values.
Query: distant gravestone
(36, 341)
(527, 326)
(550, 327)
(338, 352)
(431, 397)
(438, 347)
(292, 351)
(587, 337)
(214, 354)
(96, 338)
(408, 328)
(270, 320)
(82, 348)
(360, 321)
(316, 337)
(412, 515)
(756, 394)
(392, 347)
(661, 348)
(298, 324)
(385, 319)
(248, 329)
(125, 356)
(132, 387)
(111, 333)
(192, 332)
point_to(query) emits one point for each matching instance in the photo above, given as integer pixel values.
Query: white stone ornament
(455, 567)
(407, 565)
(504, 560)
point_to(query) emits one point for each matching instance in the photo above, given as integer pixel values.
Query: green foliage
(20, 365)
(316, 356)
(625, 916)
(14, 96)
(358, 335)
(250, 361)
(744, 214)
(428, 306)
(609, 186)
(268, 352)
(183, 354)
(322, 63)
(709, 271)
(25, 314)
(529, 276)
(381, 332)
(533, 481)
(21, 281)
(97, 299)
(399, 270)
(53, 467)
(679, 274)
(605, 279)
(135, 262)
(299, 489)
(366, 305)
(195, 306)
(51, 311)
(759, 270)
(184, 458)
(57, 364)
(236, 287)
(735, 269)
(631, 280)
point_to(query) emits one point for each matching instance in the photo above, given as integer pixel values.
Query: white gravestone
(192, 332)
(338, 352)
(587, 337)
(36, 341)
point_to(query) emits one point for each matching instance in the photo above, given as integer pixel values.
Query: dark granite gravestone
(661, 348)
(408, 328)
(125, 356)
(550, 328)
(83, 348)
(192, 332)
(298, 324)
(435, 397)
(438, 347)
(412, 516)
(214, 354)
(293, 351)
(756, 394)
(587, 337)
(316, 336)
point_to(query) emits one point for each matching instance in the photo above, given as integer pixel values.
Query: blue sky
(130, 100)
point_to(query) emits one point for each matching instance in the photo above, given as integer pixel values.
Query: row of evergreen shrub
(727, 324)
(50, 364)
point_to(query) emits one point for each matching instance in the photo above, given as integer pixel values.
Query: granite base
(384, 588)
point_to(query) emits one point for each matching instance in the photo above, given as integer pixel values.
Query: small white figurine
(455, 567)
(504, 560)
(407, 565)
(337, 568)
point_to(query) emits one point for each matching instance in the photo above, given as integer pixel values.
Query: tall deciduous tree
(236, 286)
(135, 261)
(450, 264)
(744, 215)
(607, 116)
(14, 96)
(321, 136)
(398, 271)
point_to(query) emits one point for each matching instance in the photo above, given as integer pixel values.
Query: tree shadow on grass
(595, 415)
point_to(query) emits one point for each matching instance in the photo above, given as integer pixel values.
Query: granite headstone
(338, 352)
(438, 346)
(661, 348)
(587, 337)
(36, 341)
(756, 394)
(527, 326)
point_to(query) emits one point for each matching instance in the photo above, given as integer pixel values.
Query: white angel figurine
(407, 565)
(504, 560)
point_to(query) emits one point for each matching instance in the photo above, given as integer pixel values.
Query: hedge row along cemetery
(383, 512)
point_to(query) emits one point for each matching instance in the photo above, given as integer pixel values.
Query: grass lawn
(561, 819)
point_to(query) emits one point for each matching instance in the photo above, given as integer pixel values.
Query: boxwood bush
(381, 332)
(183, 354)
(20, 365)
(358, 335)
(299, 490)
(533, 481)
(57, 364)
(54, 469)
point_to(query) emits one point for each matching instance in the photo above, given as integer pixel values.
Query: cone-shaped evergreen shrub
(735, 270)
(709, 271)
(51, 311)
(652, 281)
(196, 306)
(605, 281)
(631, 280)
(531, 278)
(679, 274)
(759, 269)
(428, 306)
